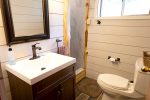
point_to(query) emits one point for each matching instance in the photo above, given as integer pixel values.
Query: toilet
(118, 88)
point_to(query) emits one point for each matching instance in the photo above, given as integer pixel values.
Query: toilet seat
(114, 81)
(122, 89)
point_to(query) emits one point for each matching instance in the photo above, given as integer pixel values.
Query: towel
(62, 50)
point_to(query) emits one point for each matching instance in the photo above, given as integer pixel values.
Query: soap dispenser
(11, 57)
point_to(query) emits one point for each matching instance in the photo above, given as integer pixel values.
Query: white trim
(97, 3)
(126, 17)
(79, 70)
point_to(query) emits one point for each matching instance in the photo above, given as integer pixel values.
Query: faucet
(34, 47)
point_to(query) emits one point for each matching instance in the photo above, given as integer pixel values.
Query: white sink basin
(31, 70)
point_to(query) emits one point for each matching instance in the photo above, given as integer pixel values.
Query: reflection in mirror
(27, 17)
(25, 20)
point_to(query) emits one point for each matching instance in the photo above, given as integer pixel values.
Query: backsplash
(24, 49)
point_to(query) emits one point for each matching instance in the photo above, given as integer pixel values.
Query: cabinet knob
(61, 89)
(58, 92)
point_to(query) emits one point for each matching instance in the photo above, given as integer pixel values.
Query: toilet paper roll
(112, 59)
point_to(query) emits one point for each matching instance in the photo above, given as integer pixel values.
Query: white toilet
(118, 88)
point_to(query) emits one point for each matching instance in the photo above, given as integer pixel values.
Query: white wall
(24, 49)
(123, 38)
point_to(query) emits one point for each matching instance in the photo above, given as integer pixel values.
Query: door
(68, 89)
(55, 94)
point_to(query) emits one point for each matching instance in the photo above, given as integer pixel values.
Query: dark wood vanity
(59, 86)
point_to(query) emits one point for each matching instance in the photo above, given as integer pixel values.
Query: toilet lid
(114, 81)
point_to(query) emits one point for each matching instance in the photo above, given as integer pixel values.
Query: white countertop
(30, 70)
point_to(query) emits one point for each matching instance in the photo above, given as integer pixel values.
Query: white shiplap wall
(24, 50)
(123, 38)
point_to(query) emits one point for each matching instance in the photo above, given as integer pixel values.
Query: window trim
(97, 8)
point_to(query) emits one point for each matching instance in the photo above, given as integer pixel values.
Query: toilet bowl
(118, 88)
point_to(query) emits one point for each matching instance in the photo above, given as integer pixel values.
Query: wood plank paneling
(56, 19)
(27, 18)
(28, 29)
(56, 7)
(123, 31)
(27, 15)
(28, 25)
(92, 73)
(123, 22)
(28, 32)
(115, 48)
(94, 70)
(56, 31)
(104, 54)
(124, 40)
(2, 37)
(19, 10)
(27, 3)
(92, 4)
(60, 1)
(117, 66)
(91, 13)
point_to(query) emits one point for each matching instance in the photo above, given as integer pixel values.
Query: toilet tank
(141, 79)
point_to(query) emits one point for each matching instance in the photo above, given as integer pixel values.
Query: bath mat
(100, 96)
(89, 87)
(82, 96)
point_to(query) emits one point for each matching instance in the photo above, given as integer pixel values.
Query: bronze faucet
(34, 47)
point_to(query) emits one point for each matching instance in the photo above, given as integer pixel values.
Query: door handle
(58, 94)
(61, 90)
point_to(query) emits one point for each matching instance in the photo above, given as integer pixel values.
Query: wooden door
(55, 94)
(67, 89)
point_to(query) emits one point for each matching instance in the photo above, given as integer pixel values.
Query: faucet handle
(34, 45)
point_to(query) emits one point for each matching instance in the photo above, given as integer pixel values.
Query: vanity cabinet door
(55, 94)
(67, 89)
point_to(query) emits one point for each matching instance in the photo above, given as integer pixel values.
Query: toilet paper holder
(115, 60)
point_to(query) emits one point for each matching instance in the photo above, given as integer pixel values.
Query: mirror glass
(25, 20)
(27, 17)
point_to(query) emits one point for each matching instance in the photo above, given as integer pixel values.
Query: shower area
(77, 33)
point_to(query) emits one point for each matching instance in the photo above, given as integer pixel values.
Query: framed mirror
(25, 20)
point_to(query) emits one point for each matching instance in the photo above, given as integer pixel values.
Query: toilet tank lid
(114, 81)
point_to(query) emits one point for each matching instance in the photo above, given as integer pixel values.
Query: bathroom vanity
(55, 81)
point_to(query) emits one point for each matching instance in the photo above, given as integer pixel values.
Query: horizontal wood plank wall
(24, 50)
(123, 38)
(27, 15)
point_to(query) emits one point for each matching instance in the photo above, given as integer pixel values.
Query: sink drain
(43, 68)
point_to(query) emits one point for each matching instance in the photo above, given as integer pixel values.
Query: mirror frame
(9, 27)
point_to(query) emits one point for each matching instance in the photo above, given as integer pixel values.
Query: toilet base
(116, 97)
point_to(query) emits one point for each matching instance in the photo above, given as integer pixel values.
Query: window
(136, 7)
(110, 8)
